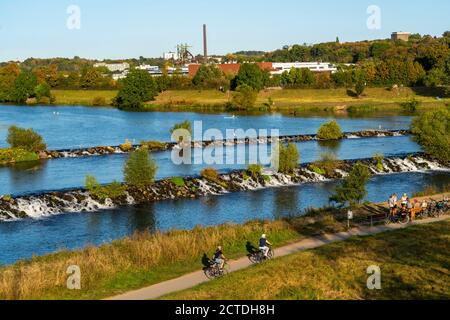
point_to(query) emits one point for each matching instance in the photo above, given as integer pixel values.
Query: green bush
(178, 181)
(210, 174)
(14, 155)
(245, 97)
(353, 189)
(255, 170)
(317, 170)
(289, 158)
(327, 164)
(186, 125)
(140, 169)
(126, 146)
(432, 131)
(138, 87)
(379, 157)
(99, 102)
(26, 139)
(330, 131)
(154, 145)
(411, 106)
(112, 191)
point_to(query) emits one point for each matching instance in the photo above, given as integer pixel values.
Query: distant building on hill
(403, 36)
(272, 67)
(279, 68)
(114, 67)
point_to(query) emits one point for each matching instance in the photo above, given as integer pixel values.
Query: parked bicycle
(401, 217)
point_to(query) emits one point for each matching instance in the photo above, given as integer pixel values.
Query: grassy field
(146, 259)
(374, 99)
(414, 263)
(298, 99)
(82, 97)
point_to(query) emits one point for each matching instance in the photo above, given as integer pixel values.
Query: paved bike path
(198, 277)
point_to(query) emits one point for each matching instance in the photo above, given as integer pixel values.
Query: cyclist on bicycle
(219, 258)
(264, 245)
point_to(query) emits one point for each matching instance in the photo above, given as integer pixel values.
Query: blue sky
(125, 29)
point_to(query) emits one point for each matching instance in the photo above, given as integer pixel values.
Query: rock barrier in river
(53, 203)
(108, 150)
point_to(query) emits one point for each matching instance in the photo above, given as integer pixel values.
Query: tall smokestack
(205, 45)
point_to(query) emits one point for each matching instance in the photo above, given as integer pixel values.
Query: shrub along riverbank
(25, 144)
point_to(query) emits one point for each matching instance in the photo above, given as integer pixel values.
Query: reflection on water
(331, 146)
(22, 239)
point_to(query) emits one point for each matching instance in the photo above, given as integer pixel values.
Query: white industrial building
(280, 67)
(114, 67)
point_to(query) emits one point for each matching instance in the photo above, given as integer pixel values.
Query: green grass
(414, 262)
(298, 100)
(82, 97)
(16, 155)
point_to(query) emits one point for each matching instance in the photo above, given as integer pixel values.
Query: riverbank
(145, 259)
(53, 203)
(413, 261)
(285, 100)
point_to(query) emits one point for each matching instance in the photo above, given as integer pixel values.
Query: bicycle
(214, 272)
(401, 217)
(259, 257)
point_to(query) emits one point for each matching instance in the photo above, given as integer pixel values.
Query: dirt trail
(198, 277)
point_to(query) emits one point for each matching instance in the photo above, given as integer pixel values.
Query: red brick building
(229, 68)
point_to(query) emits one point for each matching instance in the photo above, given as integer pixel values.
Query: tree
(91, 78)
(26, 139)
(137, 88)
(360, 86)
(432, 131)
(8, 75)
(140, 168)
(23, 87)
(43, 90)
(250, 74)
(353, 189)
(209, 76)
(330, 131)
(244, 97)
(289, 158)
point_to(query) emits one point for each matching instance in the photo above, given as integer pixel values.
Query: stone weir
(164, 146)
(52, 203)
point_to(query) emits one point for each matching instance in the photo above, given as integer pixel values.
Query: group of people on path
(407, 206)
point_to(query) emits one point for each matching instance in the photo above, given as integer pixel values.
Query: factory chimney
(205, 45)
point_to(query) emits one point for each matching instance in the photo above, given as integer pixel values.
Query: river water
(75, 127)
(23, 239)
(69, 173)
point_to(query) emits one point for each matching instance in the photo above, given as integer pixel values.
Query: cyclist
(405, 200)
(264, 245)
(219, 258)
(392, 204)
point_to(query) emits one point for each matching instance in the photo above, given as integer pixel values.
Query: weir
(71, 201)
